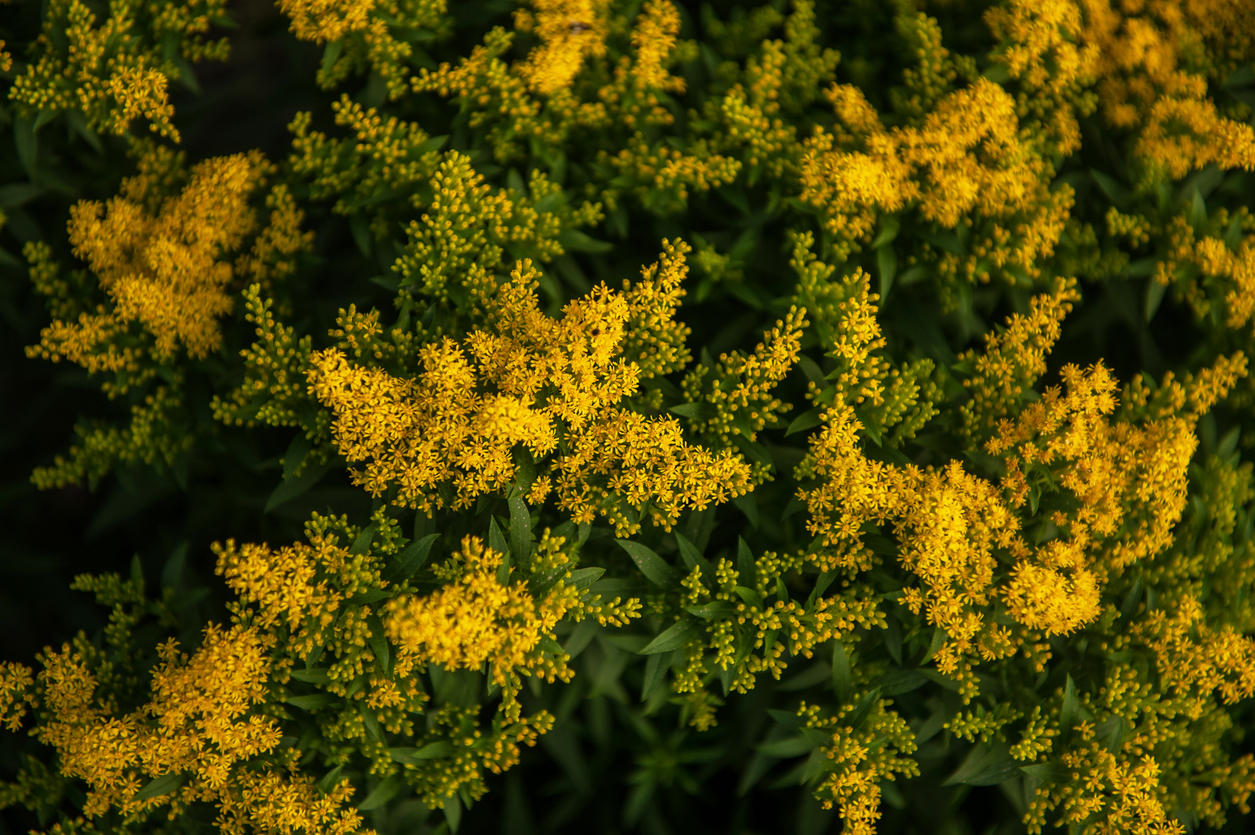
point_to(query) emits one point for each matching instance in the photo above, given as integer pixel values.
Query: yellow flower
(549, 385)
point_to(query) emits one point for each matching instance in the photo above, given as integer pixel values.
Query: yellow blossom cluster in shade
(739, 395)
(273, 390)
(1044, 47)
(857, 760)
(967, 155)
(381, 154)
(844, 316)
(569, 31)
(1129, 480)
(462, 236)
(303, 586)
(526, 380)
(360, 36)
(1145, 65)
(1193, 656)
(968, 164)
(163, 270)
(779, 81)
(516, 115)
(477, 622)
(1014, 358)
(1207, 259)
(197, 724)
(147, 437)
(745, 615)
(116, 72)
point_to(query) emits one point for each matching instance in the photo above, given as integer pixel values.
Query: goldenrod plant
(541, 416)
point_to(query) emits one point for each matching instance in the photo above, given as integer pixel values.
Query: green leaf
(359, 225)
(520, 531)
(893, 639)
(576, 241)
(688, 410)
(985, 765)
(378, 642)
(15, 195)
(496, 541)
(1154, 295)
(787, 719)
(939, 639)
(651, 565)
(27, 147)
(370, 721)
(748, 504)
(298, 486)
(540, 583)
(676, 636)
(794, 746)
(585, 577)
(161, 786)
(330, 54)
(311, 703)
(382, 793)
(453, 812)
(361, 544)
(330, 780)
(1111, 734)
(1228, 443)
(1116, 192)
(715, 610)
(750, 596)
(745, 566)
(431, 751)
(887, 266)
(807, 420)
(1048, 772)
(317, 675)
(412, 558)
(1142, 267)
(432, 143)
(1071, 704)
(655, 672)
(1129, 605)
(863, 708)
(895, 682)
(889, 227)
(811, 369)
(693, 558)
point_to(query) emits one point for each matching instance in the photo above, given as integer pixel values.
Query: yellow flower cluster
(162, 270)
(477, 622)
(569, 31)
(544, 97)
(743, 617)
(1014, 358)
(151, 436)
(858, 759)
(844, 312)
(779, 82)
(738, 397)
(1044, 47)
(1129, 482)
(116, 72)
(195, 725)
(557, 383)
(851, 185)
(468, 225)
(359, 36)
